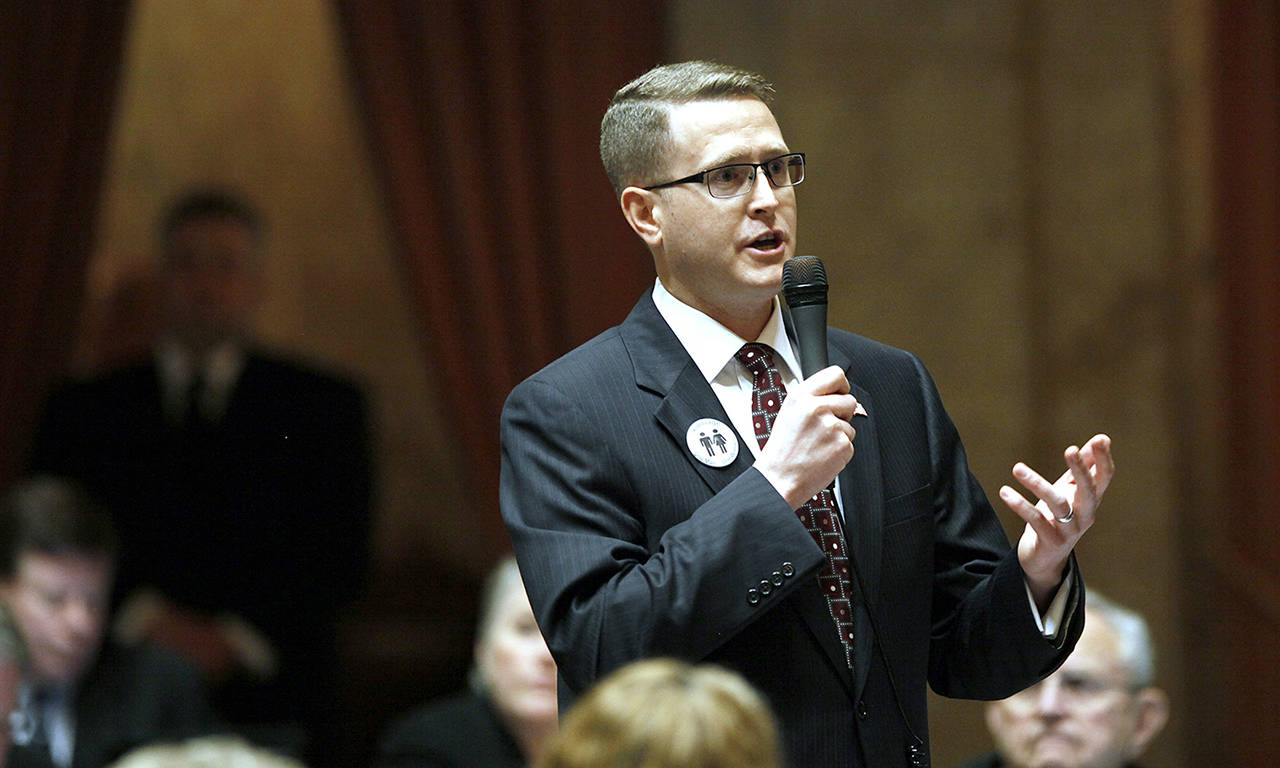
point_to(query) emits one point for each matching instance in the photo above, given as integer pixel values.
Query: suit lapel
(663, 367)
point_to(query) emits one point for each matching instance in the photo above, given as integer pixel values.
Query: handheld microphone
(804, 286)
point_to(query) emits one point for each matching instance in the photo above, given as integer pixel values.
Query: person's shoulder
(862, 348)
(989, 760)
(436, 726)
(602, 356)
(143, 661)
(94, 383)
(300, 371)
(445, 710)
(86, 403)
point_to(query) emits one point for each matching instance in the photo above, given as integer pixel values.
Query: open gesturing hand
(1065, 510)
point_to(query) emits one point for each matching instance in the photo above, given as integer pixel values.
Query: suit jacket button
(765, 587)
(753, 597)
(788, 570)
(863, 714)
(776, 578)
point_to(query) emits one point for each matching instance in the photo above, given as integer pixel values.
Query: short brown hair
(635, 132)
(52, 516)
(658, 713)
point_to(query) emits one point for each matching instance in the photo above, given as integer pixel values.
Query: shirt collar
(177, 365)
(710, 344)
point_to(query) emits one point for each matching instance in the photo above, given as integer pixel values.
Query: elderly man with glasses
(834, 548)
(1099, 710)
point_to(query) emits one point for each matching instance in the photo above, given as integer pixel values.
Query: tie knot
(756, 357)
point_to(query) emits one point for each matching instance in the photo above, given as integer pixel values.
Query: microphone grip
(810, 322)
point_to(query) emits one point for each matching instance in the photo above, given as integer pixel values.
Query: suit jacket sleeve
(985, 642)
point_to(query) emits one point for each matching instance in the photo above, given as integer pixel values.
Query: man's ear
(642, 210)
(1153, 713)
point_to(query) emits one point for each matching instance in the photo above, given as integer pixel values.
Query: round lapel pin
(712, 442)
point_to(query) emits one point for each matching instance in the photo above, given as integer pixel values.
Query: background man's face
(211, 281)
(1085, 715)
(59, 604)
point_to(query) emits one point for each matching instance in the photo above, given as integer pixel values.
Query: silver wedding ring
(1070, 516)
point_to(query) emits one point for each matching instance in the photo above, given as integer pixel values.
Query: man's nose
(763, 194)
(1049, 699)
(82, 617)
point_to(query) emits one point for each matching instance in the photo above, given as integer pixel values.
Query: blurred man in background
(238, 479)
(1099, 710)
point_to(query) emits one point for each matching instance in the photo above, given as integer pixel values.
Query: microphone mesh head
(803, 273)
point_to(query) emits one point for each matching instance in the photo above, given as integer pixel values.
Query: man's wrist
(1044, 586)
(786, 490)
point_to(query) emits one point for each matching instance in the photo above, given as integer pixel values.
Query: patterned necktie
(819, 514)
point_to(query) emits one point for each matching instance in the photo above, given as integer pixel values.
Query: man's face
(723, 256)
(59, 604)
(211, 280)
(1085, 715)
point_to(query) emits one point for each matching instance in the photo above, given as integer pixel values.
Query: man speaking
(833, 547)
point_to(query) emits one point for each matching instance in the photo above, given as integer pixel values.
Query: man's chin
(64, 671)
(1056, 753)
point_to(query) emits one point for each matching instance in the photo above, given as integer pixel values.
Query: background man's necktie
(193, 415)
(820, 513)
(29, 731)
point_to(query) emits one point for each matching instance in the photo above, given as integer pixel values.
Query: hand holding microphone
(812, 439)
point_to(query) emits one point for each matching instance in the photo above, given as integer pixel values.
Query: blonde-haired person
(509, 713)
(660, 713)
(205, 752)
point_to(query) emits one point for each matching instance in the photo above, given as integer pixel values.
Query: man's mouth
(766, 242)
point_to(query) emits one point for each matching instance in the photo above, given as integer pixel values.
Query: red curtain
(1235, 612)
(483, 120)
(59, 65)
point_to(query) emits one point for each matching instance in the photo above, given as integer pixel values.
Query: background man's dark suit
(264, 514)
(630, 547)
(129, 698)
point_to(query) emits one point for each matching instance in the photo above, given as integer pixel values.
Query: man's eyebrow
(740, 155)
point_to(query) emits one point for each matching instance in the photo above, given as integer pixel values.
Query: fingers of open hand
(1083, 483)
(1053, 511)
(1096, 455)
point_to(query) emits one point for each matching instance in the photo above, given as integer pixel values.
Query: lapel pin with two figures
(712, 442)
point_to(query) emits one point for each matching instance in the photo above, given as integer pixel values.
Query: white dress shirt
(178, 368)
(53, 717)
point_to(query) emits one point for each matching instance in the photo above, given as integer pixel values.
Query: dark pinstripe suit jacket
(631, 548)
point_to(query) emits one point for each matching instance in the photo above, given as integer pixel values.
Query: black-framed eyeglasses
(738, 178)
